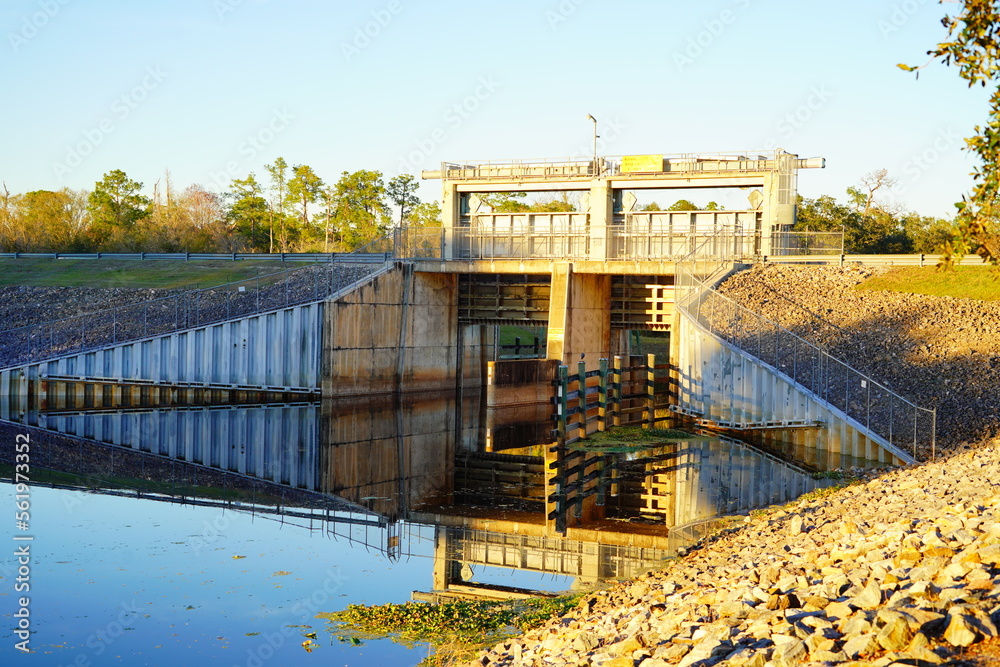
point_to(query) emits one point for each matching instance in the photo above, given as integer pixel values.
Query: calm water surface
(323, 505)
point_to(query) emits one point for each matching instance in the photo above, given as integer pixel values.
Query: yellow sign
(632, 164)
(556, 333)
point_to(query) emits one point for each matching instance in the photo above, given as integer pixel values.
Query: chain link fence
(183, 310)
(870, 403)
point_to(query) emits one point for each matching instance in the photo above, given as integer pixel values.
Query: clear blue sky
(211, 89)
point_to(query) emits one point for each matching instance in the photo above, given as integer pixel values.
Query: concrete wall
(399, 332)
(393, 453)
(579, 316)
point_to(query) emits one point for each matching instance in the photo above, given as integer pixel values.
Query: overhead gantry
(583, 271)
(607, 227)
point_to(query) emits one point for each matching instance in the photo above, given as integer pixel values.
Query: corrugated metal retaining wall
(718, 476)
(723, 383)
(274, 349)
(279, 443)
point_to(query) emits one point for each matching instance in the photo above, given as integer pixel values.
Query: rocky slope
(937, 351)
(136, 315)
(903, 569)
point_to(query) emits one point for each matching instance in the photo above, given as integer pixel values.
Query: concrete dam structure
(425, 320)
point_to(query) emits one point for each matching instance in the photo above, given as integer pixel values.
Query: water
(215, 534)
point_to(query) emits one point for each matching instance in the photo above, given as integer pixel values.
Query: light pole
(591, 117)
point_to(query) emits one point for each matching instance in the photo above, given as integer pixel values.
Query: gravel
(939, 352)
(67, 319)
(903, 569)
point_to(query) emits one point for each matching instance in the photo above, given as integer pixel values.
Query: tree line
(292, 210)
(871, 225)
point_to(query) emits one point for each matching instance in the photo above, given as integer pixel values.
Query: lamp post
(591, 117)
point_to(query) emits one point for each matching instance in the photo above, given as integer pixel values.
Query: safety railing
(576, 167)
(807, 243)
(176, 312)
(475, 243)
(870, 403)
(315, 257)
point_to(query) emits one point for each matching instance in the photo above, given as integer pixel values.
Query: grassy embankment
(138, 274)
(966, 282)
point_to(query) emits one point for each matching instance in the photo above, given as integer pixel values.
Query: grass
(631, 438)
(100, 481)
(978, 282)
(508, 333)
(162, 274)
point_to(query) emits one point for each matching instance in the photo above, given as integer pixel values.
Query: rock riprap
(939, 352)
(901, 570)
(34, 324)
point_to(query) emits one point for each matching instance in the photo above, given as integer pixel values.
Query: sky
(213, 90)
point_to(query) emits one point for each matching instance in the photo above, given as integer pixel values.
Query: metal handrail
(751, 155)
(332, 257)
(692, 292)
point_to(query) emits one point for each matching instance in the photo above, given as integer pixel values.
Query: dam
(422, 314)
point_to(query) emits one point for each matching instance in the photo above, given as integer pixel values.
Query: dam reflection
(388, 473)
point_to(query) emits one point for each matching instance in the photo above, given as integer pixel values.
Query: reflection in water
(386, 472)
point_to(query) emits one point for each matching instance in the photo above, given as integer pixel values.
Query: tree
(651, 206)
(870, 183)
(249, 214)
(973, 45)
(6, 219)
(361, 213)
(926, 233)
(401, 191)
(554, 204)
(44, 220)
(426, 214)
(505, 202)
(279, 184)
(115, 207)
(205, 228)
(683, 205)
(304, 188)
(329, 214)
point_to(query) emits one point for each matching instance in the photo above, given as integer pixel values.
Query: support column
(601, 212)
(579, 316)
(451, 217)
